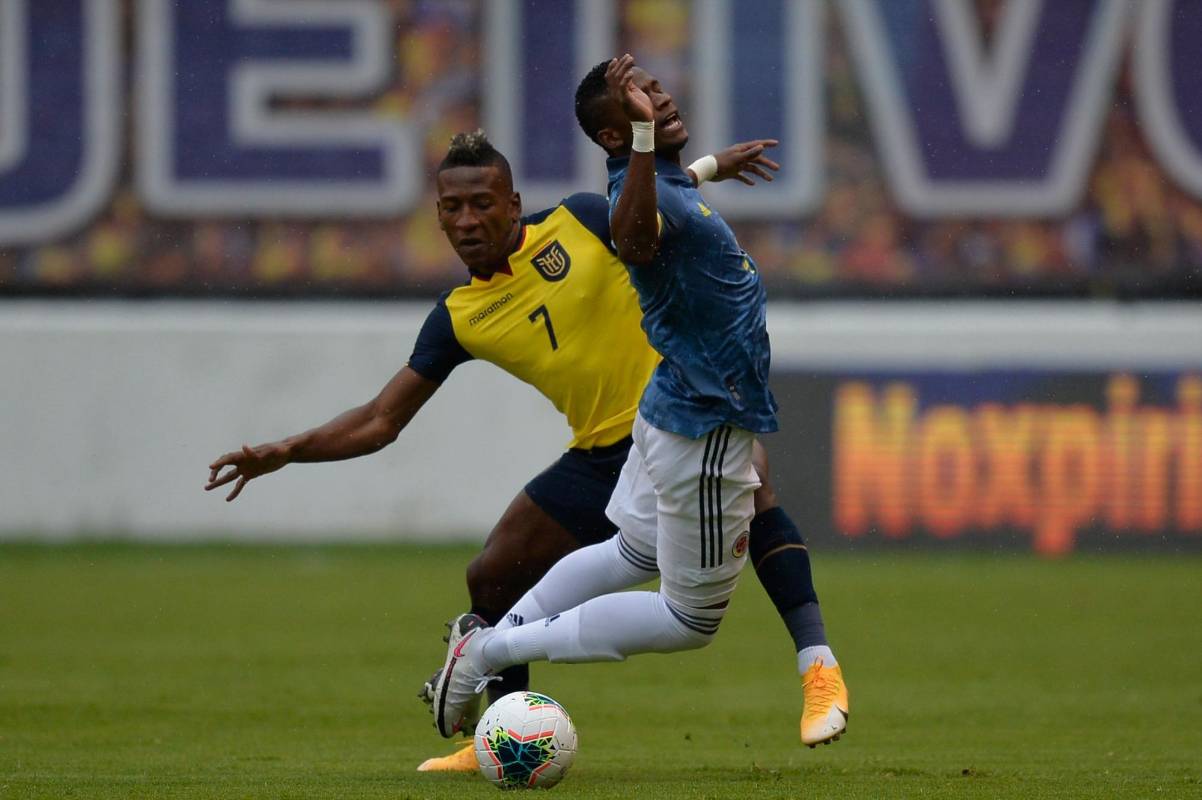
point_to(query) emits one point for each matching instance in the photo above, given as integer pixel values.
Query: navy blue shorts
(575, 490)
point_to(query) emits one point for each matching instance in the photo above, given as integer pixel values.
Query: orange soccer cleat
(462, 760)
(825, 716)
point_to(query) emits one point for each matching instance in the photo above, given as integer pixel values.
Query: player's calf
(524, 544)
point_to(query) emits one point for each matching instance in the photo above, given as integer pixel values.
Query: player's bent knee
(702, 592)
(691, 639)
(696, 627)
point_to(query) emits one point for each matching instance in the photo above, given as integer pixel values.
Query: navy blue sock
(782, 563)
(513, 679)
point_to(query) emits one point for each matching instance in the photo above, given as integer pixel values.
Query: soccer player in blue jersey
(684, 502)
(542, 291)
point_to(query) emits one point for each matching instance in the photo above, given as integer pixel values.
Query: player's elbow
(387, 431)
(635, 244)
(384, 428)
(636, 254)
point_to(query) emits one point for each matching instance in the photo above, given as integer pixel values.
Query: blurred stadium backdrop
(1026, 175)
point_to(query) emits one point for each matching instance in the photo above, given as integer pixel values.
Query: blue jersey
(703, 310)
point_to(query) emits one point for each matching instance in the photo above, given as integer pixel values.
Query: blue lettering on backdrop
(205, 146)
(1007, 128)
(1167, 63)
(1185, 58)
(1005, 124)
(214, 144)
(759, 76)
(757, 104)
(1037, 101)
(548, 57)
(54, 112)
(58, 112)
(536, 52)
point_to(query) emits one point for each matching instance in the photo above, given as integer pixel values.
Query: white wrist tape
(705, 168)
(644, 137)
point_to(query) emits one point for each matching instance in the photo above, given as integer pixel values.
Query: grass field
(235, 672)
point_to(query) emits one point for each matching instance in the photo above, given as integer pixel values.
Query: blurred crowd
(1135, 232)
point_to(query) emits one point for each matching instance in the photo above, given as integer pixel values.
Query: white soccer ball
(525, 740)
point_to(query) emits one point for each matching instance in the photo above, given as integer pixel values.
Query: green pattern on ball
(534, 699)
(519, 759)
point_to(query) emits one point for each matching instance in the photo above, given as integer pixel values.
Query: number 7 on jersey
(541, 311)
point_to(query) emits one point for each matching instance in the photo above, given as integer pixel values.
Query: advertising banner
(1048, 460)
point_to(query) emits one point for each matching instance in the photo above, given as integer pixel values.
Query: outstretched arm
(357, 432)
(634, 223)
(736, 162)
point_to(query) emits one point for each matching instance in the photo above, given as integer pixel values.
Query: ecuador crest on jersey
(566, 321)
(553, 261)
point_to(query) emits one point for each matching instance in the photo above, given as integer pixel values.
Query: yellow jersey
(563, 318)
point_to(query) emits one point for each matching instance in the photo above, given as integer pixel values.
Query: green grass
(231, 672)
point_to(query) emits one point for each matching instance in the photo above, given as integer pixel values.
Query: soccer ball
(525, 740)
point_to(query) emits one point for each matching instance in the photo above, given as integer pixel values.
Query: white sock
(580, 575)
(807, 657)
(606, 628)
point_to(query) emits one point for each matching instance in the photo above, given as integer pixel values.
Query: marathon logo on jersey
(552, 262)
(482, 315)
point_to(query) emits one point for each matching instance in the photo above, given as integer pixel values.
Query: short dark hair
(590, 101)
(474, 150)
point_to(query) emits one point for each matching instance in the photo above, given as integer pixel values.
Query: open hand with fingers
(247, 464)
(746, 159)
(619, 77)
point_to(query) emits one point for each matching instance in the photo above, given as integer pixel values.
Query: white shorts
(684, 506)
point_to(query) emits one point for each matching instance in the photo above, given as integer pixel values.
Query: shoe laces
(483, 684)
(823, 689)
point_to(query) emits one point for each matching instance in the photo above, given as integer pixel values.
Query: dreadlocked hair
(474, 150)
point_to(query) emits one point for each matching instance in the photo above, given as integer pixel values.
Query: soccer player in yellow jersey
(547, 301)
